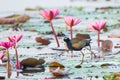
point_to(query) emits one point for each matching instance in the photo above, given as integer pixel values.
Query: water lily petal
(0, 61)
(49, 14)
(97, 25)
(102, 24)
(55, 12)
(6, 44)
(15, 38)
(76, 21)
(71, 21)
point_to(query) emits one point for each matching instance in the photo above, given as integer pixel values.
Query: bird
(77, 45)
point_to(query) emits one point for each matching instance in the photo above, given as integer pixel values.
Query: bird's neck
(69, 44)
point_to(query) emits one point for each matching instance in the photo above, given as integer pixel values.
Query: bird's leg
(71, 53)
(79, 65)
(91, 52)
(82, 57)
(65, 51)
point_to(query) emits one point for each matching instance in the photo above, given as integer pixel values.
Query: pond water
(90, 70)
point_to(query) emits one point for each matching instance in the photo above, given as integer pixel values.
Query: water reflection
(33, 70)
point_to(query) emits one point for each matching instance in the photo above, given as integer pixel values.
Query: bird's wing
(75, 40)
(79, 44)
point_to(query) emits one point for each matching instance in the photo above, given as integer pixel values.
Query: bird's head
(66, 39)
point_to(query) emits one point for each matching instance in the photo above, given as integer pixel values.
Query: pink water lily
(71, 21)
(97, 25)
(49, 15)
(6, 45)
(15, 38)
(1, 56)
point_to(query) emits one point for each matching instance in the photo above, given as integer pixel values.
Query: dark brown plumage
(77, 45)
(31, 62)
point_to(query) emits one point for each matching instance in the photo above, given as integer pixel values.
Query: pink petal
(97, 25)
(76, 21)
(15, 38)
(45, 14)
(0, 61)
(48, 15)
(6, 44)
(102, 24)
(90, 27)
(55, 12)
(69, 19)
(18, 37)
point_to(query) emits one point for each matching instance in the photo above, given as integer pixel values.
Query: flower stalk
(17, 64)
(49, 15)
(7, 45)
(8, 64)
(54, 34)
(98, 38)
(71, 35)
(71, 21)
(15, 39)
(97, 25)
